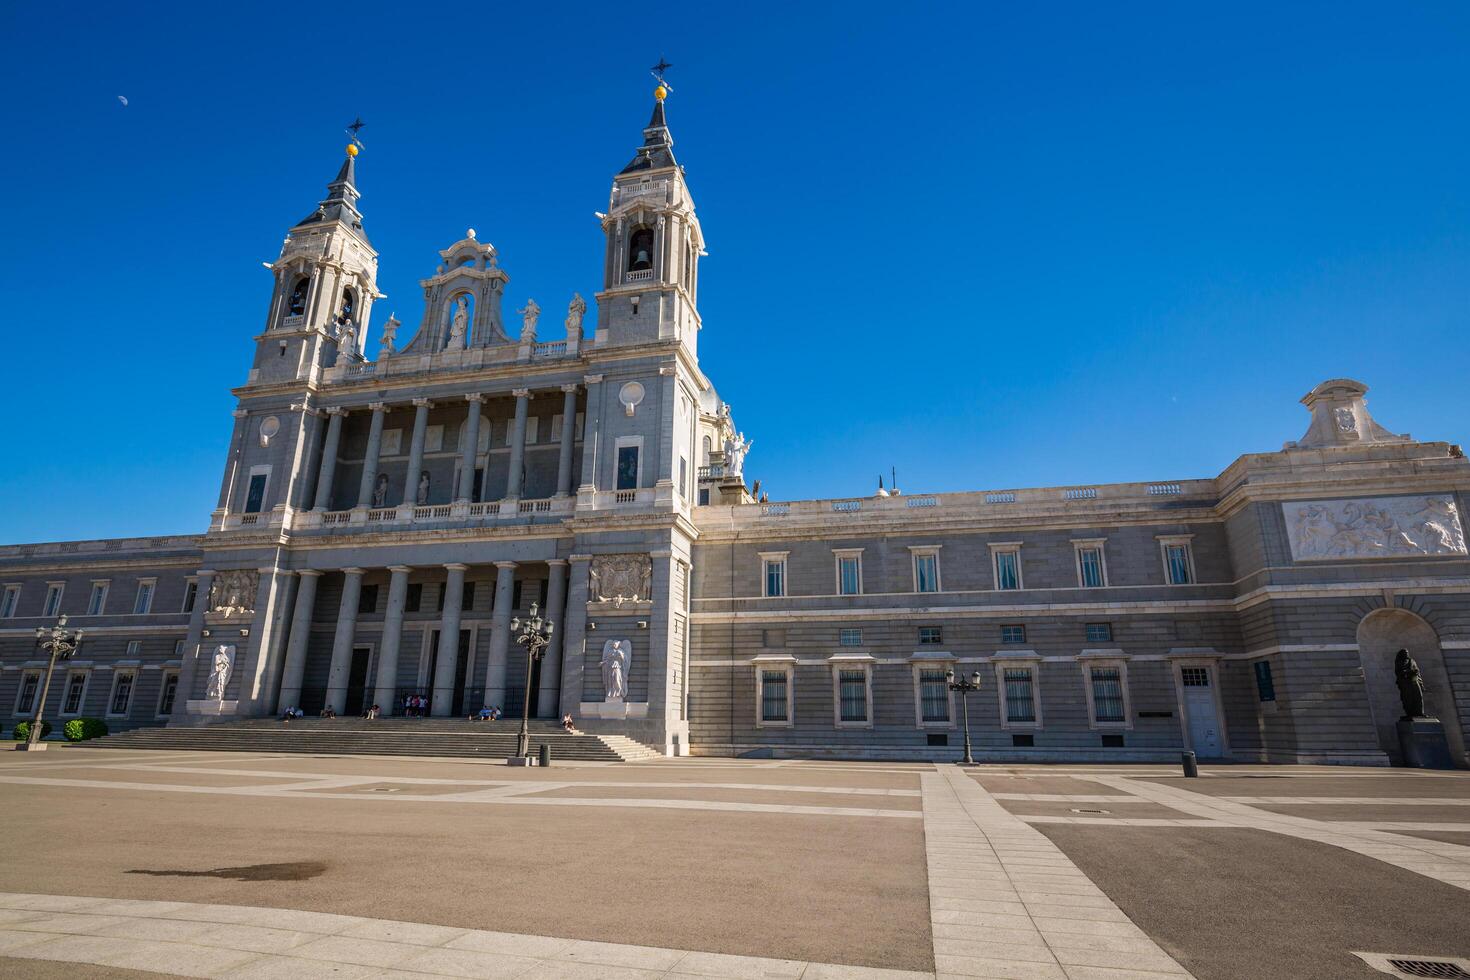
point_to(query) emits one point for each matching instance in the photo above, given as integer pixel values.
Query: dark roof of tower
(341, 202)
(657, 151)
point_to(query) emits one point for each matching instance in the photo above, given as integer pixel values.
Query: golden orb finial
(351, 149)
(660, 92)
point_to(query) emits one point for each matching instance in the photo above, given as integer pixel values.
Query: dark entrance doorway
(461, 665)
(357, 681)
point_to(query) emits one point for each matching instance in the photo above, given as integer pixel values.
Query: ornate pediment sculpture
(621, 578)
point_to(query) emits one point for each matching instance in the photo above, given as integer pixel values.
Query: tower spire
(657, 151)
(342, 194)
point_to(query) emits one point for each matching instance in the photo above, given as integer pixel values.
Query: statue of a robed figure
(1422, 740)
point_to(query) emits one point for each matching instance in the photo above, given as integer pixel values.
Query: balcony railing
(639, 275)
(554, 348)
(628, 192)
(715, 471)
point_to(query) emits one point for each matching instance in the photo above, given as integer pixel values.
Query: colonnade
(442, 684)
(464, 491)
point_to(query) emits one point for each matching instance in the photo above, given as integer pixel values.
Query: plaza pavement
(252, 865)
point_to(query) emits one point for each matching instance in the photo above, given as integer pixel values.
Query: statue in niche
(423, 494)
(575, 311)
(347, 338)
(528, 324)
(220, 670)
(459, 326)
(735, 450)
(380, 491)
(617, 657)
(1411, 684)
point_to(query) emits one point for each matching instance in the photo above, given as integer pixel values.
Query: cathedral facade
(381, 521)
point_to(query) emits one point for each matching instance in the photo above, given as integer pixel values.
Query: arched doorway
(1383, 633)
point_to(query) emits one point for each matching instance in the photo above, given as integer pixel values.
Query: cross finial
(658, 73)
(352, 130)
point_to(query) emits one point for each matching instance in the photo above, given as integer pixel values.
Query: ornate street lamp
(964, 686)
(534, 634)
(62, 643)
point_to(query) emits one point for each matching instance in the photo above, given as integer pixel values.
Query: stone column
(513, 481)
(421, 408)
(329, 459)
(189, 659)
(272, 640)
(505, 575)
(591, 436)
(556, 598)
(342, 645)
(568, 438)
(469, 451)
(386, 690)
(574, 636)
(667, 448)
(297, 646)
(443, 694)
(304, 479)
(370, 461)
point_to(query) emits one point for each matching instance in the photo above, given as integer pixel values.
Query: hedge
(23, 730)
(81, 729)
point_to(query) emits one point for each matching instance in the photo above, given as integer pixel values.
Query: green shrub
(81, 729)
(23, 730)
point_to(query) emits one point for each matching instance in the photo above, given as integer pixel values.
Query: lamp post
(964, 686)
(533, 633)
(61, 643)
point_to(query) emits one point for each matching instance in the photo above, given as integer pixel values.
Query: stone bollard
(545, 754)
(1191, 767)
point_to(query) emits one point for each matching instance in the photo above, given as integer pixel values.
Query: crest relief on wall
(232, 595)
(621, 578)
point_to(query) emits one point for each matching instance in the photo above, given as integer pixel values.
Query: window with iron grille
(934, 695)
(773, 695)
(1195, 676)
(1265, 686)
(1099, 632)
(850, 637)
(853, 687)
(1013, 634)
(1107, 694)
(1020, 695)
(930, 635)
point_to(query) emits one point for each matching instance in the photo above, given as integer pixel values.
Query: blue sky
(991, 245)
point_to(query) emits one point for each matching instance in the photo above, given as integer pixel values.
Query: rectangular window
(467, 601)
(25, 702)
(533, 430)
(52, 607)
(849, 573)
(1099, 632)
(1007, 570)
(9, 601)
(515, 594)
(1090, 567)
(255, 496)
(1178, 561)
(1107, 695)
(1265, 687)
(930, 635)
(1013, 634)
(683, 477)
(704, 498)
(167, 695)
(852, 687)
(135, 648)
(71, 703)
(1195, 676)
(414, 600)
(97, 602)
(926, 572)
(850, 637)
(122, 694)
(1020, 695)
(191, 593)
(773, 696)
(367, 600)
(144, 601)
(627, 468)
(775, 577)
(934, 695)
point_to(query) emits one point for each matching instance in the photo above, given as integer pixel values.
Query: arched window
(297, 306)
(640, 250)
(349, 305)
(704, 451)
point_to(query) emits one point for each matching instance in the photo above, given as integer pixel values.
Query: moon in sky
(123, 99)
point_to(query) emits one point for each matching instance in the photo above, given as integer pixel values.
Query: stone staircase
(443, 737)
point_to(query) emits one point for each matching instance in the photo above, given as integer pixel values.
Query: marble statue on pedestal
(617, 657)
(423, 494)
(575, 311)
(219, 675)
(390, 334)
(528, 323)
(735, 450)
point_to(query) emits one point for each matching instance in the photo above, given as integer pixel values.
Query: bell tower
(651, 269)
(325, 284)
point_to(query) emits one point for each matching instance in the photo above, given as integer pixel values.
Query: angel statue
(616, 657)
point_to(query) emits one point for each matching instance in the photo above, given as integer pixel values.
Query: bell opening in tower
(640, 250)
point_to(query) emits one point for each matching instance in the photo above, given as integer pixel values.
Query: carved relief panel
(1379, 527)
